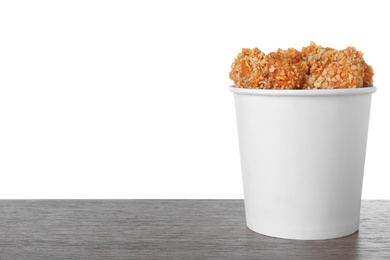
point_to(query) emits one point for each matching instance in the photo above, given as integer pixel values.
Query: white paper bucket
(302, 159)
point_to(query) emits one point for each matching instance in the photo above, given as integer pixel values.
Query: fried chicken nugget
(330, 68)
(291, 68)
(284, 69)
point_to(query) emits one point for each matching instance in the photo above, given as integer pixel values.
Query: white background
(129, 99)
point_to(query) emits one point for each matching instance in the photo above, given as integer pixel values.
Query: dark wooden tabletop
(169, 229)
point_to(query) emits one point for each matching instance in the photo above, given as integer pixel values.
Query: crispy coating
(313, 68)
(330, 68)
(284, 69)
(368, 80)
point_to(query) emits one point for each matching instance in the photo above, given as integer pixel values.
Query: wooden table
(169, 229)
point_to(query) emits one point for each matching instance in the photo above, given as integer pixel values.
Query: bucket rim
(303, 92)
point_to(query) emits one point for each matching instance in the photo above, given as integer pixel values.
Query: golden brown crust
(330, 68)
(277, 70)
(368, 80)
(313, 68)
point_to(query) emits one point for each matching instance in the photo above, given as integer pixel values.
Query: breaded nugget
(284, 69)
(368, 80)
(293, 71)
(330, 68)
(246, 70)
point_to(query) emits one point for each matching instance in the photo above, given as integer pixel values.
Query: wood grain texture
(169, 229)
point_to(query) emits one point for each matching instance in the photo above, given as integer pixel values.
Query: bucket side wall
(302, 161)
